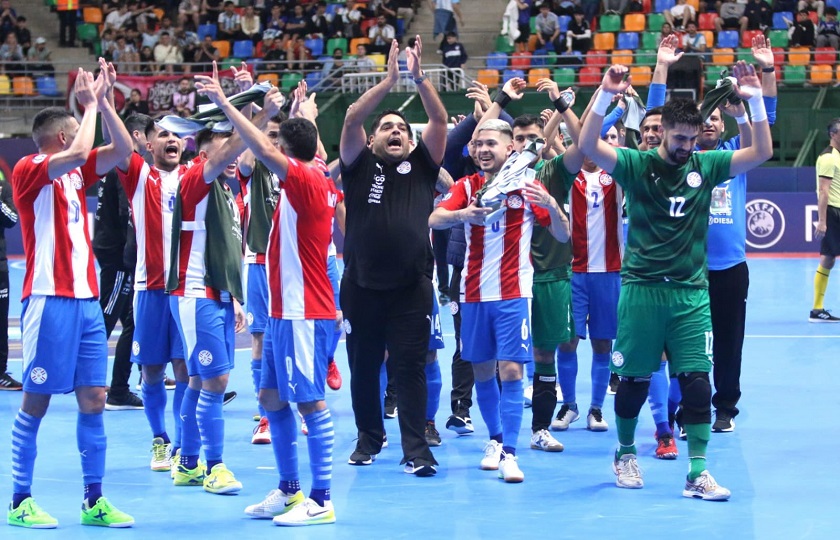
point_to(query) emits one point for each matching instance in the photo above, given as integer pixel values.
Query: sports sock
(211, 426)
(820, 285)
(92, 493)
(530, 369)
(658, 395)
(190, 436)
(511, 414)
(698, 436)
(320, 441)
(600, 373)
(626, 428)
(154, 405)
(544, 398)
(284, 442)
(289, 486)
(177, 401)
(91, 441)
(434, 385)
(674, 397)
(24, 450)
(567, 368)
(487, 395)
(256, 375)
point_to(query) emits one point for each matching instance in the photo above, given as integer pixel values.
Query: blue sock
(211, 425)
(511, 411)
(154, 405)
(92, 493)
(658, 395)
(256, 374)
(600, 378)
(289, 486)
(321, 438)
(567, 368)
(284, 442)
(190, 436)
(434, 384)
(674, 396)
(383, 384)
(487, 396)
(189, 462)
(529, 370)
(91, 441)
(24, 450)
(334, 344)
(177, 401)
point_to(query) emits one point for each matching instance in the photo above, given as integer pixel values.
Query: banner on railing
(156, 90)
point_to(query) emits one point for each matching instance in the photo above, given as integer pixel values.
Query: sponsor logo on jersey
(404, 167)
(617, 359)
(205, 358)
(38, 375)
(605, 179)
(514, 201)
(765, 224)
(447, 196)
(135, 348)
(39, 158)
(694, 179)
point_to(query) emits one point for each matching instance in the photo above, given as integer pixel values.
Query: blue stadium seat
(779, 19)
(206, 30)
(564, 21)
(313, 79)
(628, 40)
(511, 73)
(243, 49)
(833, 3)
(662, 5)
(728, 39)
(539, 62)
(332, 8)
(47, 86)
(497, 60)
(315, 46)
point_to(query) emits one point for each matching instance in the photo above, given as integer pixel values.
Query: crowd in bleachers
(23, 60)
(579, 38)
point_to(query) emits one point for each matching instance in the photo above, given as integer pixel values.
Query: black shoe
(723, 422)
(460, 423)
(127, 402)
(432, 435)
(390, 406)
(613, 387)
(360, 458)
(822, 315)
(229, 396)
(7, 382)
(420, 467)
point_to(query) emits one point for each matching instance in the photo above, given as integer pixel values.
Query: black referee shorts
(830, 245)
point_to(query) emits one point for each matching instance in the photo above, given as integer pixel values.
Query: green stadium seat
(290, 81)
(712, 75)
(503, 45)
(654, 21)
(87, 33)
(649, 41)
(564, 77)
(230, 62)
(745, 54)
(794, 75)
(336, 43)
(609, 23)
(779, 38)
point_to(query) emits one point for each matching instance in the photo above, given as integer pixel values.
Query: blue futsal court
(778, 463)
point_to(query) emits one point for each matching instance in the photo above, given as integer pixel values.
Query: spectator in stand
(264, 44)
(693, 41)
(184, 99)
(143, 15)
(110, 5)
(108, 44)
(276, 56)
(125, 55)
(829, 31)
(590, 9)
(118, 20)
(388, 8)
(148, 37)
(251, 26)
(351, 19)
(296, 22)
(210, 11)
(206, 54)
(39, 57)
(24, 36)
(333, 69)
(681, 14)
(136, 104)
(548, 28)
(11, 56)
(229, 23)
(167, 54)
(320, 23)
(405, 11)
(189, 14)
(664, 31)
(8, 19)
(298, 56)
(275, 20)
(166, 26)
(446, 12)
(578, 36)
(381, 35)
(524, 21)
(454, 57)
(187, 41)
(803, 32)
(363, 63)
(730, 17)
(812, 5)
(67, 13)
(616, 6)
(146, 61)
(757, 16)
(788, 6)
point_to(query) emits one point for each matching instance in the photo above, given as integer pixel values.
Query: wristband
(758, 113)
(768, 70)
(602, 102)
(419, 80)
(561, 104)
(743, 119)
(502, 99)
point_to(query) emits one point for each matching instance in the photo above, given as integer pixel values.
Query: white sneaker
(595, 420)
(161, 455)
(565, 416)
(529, 394)
(627, 472)
(492, 455)
(559, 392)
(307, 513)
(509, 470)
(262, 433)
(276, 503)
(704, 487)
(542, 440)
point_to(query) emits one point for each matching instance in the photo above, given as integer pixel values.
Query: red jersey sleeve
(456, 199)
(193, 187)
(131, 177)
(30, 175)
(89, 176)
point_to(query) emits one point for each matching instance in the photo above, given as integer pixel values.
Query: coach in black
(386, 291)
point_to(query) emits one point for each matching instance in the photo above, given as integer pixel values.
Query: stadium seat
(822, 74)
(535, 74)
(290, 81)
(634, 22)
(723, 57)
(313, 79)
(814, 17)
(504, 45)
(489, 77)
(47, 86)
(378, 61)
(746, 39)
(366, 25)
(590, 76)
(229, 62)
(712, 75)
(825, 55)
(223, 47)
(779, 38)
(273, 78)
(661, 5)
(509, 74)
(833, 3)
(597, 59)
(794, 75)
(649, 41)
(744, 54)
(245, 49)
(337, 43)
(92, 15)
(206, 30)
(87, 33)
(563, 22)
(799, 56)
(628, 40)
(779, 20)
(497, 60)
(551, 58)
(778, 58)
(355, 42)
(538, 59)
(400, 27)
(647, 6)
(564, 77)
(838, 72)
(23, 86)
(604, 41)
(533, 23)
(654, 21)
(5, 85)
(706, 21)
(609, 23)
(333, 8)
(710, 38)
(622, 56)
(728, 39)
(533, 43)
(315, 46)
(641, 75)
(520, 60)
(695, 4)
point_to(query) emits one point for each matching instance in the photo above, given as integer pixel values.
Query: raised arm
(563, 101)
(119, 149)
(616, 80)
(79, 150)
(353, 139)
(434, 136)
(512, 90)
(761, 149)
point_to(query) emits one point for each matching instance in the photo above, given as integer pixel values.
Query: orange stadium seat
(358, 41)
(489, 77)
(838, 72)
(822, 74)
(23, 86)
(695, 4)
(223, 47)
(799, 56)
(604, 41)
(635, 22)
(641, 75)
(533, 43)
(273, 78)
(710, 38)
(622, 56)
(92, 15)
(535, 74)
(724, 57)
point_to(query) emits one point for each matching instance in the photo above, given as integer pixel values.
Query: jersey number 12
(677, 204)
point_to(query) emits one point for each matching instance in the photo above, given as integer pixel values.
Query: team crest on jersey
(76, 180)
(135, 348)
(605, 179)
(404, 167)
(694, 179)
(514, 201)
(38, 375)
(453, 307)
(348, 329)
(205, 358)
(617, 359)
(250, 318)
(39, 158)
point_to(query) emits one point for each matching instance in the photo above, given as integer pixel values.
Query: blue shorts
(595, 303)
(295, 357)
(256, 298)
(64, 344)
(498, 330)
(156, 336)
(207, 329)
(332, 272)
(436, 337)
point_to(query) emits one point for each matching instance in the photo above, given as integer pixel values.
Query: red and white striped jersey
(54, 225)
(497, 265)
(597, 234)
(301, 231)
(151, 193)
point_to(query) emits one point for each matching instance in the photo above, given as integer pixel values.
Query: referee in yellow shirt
(828, 227)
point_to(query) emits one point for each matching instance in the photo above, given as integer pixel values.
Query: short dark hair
(525, 120)
(46, 121)
(205, 136)
(21, 18)
(378, 118)
(300, 138)
(656, 111)
(681, 112)
(833, 127)
(139, 122)
(829, 10)
(449, 34)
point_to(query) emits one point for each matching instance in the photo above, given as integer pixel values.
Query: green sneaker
(104, 514)
(189, 477)
(175, 460)
(221, 481)
(28, 514)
